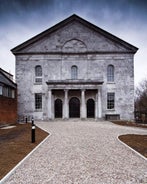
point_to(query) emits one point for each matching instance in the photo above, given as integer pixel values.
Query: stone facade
(74, 56)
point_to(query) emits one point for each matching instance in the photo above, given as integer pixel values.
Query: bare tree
(141, 96)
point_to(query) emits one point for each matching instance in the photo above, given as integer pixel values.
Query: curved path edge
(131, 148)
(26, 157)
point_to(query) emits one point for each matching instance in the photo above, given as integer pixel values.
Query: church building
(75, 70)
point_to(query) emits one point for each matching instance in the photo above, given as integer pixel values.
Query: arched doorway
(90, 108)
(58, 108)
(74, 108)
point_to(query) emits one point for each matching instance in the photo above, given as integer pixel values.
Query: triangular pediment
(74, 35)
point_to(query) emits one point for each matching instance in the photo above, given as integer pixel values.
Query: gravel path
(82, 152)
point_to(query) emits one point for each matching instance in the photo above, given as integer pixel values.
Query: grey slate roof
(5, 80)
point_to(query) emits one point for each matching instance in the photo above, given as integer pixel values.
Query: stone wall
(91, 51)
(56, 67)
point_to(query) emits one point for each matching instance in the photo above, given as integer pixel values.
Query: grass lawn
(15, 144)
(137, 142)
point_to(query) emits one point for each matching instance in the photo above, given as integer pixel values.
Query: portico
(74, 99)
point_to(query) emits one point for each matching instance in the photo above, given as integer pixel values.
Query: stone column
(66, 106)
(83, 104)
(50, 104)
(99, 104)
(96, 105)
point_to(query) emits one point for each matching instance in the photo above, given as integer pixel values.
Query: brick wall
(8, 110)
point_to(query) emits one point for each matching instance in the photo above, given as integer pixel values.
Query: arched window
(38, 74)
(74, 72)
(110, 73)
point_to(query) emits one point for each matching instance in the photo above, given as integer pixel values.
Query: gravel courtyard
(82, 152)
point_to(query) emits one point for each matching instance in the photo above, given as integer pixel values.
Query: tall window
(38, 74)
(38, 101)
(74, 72)
(110, 73)
(110, 100)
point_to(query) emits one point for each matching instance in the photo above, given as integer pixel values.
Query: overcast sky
(22, 19)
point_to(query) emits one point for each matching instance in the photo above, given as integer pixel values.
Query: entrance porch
(74, 99)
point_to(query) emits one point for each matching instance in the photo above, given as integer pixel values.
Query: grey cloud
(22, 19)
(21, 9)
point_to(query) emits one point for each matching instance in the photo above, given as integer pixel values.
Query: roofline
(75, 53)
(65, 22)
(6, 71)
(8, 79)
(44, 33)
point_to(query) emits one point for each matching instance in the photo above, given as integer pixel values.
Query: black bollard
(26, 119)
(33, 131)
(32, 121)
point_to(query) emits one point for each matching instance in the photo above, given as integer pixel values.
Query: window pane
(38, 71)
(38, 74)
(74, 72)
(5, 91)
(110, 100)
(9, 92)
(38, 101)
(110, 73)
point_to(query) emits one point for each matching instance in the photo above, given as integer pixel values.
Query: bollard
(32, 121)
(26, 119)
(33, 131)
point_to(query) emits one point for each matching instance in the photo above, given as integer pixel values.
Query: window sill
(38, 110)
(110, 82)
(37, 83)
(110, 110)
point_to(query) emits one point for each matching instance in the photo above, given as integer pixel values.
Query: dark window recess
(74, 108)
(90, 108)
(58, 108)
